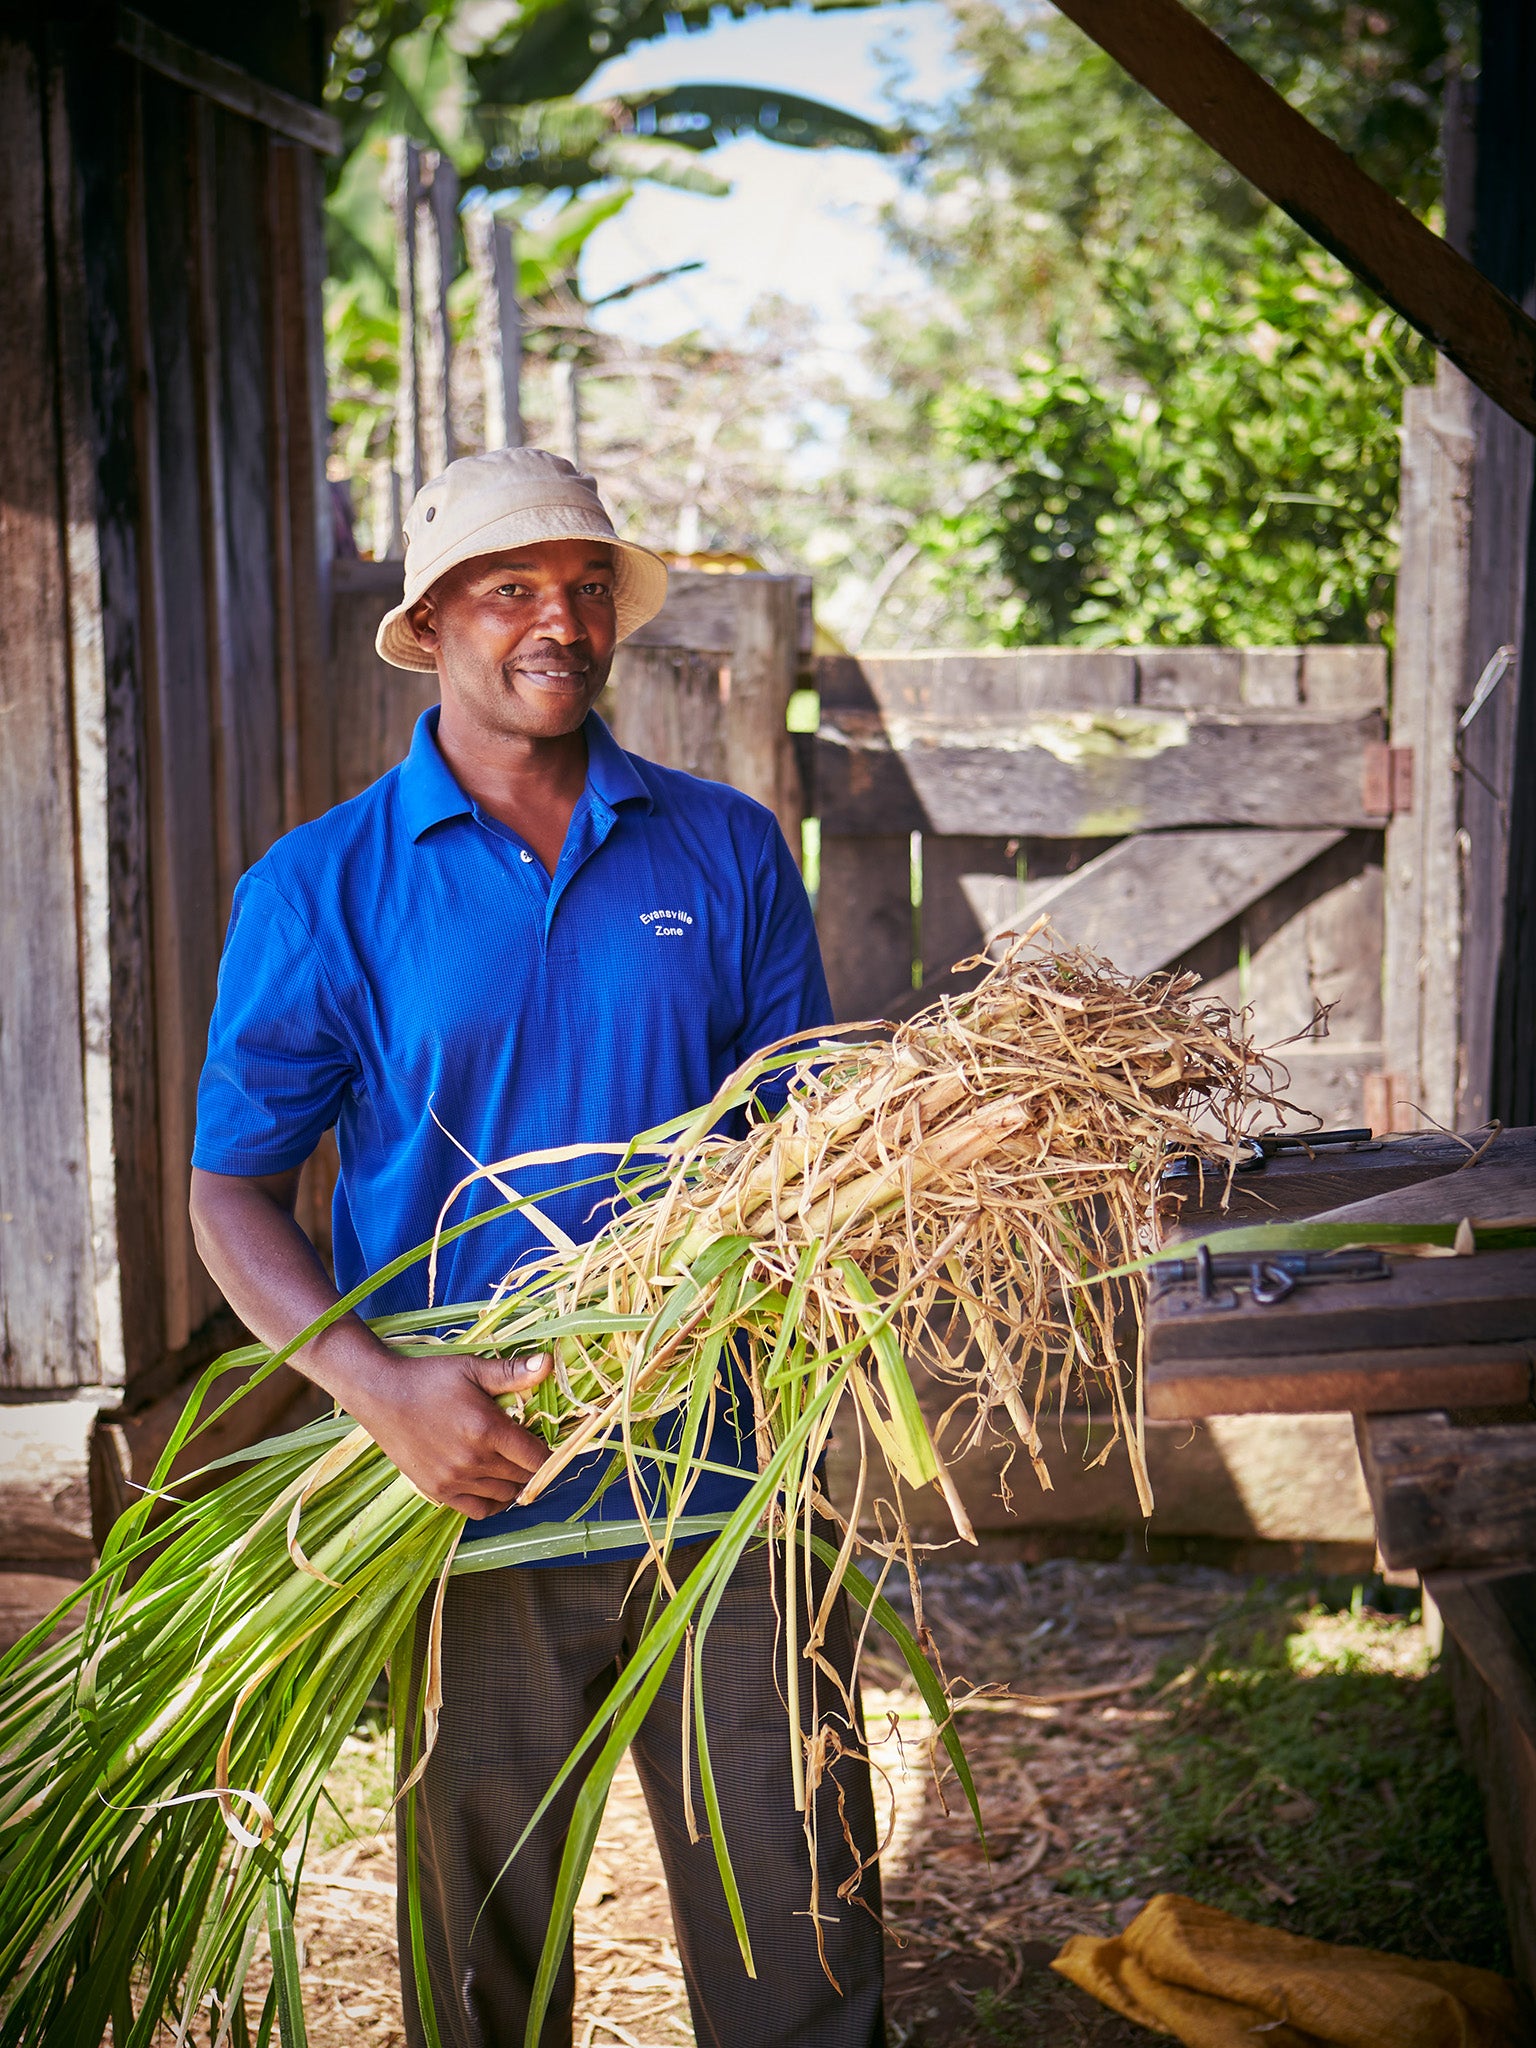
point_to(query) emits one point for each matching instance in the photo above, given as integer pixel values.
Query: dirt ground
(1100, 1661)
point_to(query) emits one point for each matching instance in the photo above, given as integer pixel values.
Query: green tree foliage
(1148, 407)
(1232, 478)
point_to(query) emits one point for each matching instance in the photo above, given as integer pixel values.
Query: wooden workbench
(1437, 1362)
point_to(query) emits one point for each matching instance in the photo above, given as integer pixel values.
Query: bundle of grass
(987, 1164)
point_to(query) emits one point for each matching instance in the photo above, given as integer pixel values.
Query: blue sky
(803, 223)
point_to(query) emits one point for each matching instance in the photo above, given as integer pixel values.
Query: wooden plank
(103, 113)
(1500, 1752)
(1449, 1495)
(1497, 1187)
(1239, 1478)
(1498, 572)
(701, 609)
(1489, 1299)
(205, 234)
(1342, 682)
(45, 1507)
(183, 858)
(47, 1272)
(213, 78)
(1150, 898)
(1091, 773)
(297, 278)
(1354, 1382)
(246, 429)
(1294, 1185)
(758, 755)
(864, 917)
(665, 705)
(1190, 677)
(979, 687)
(1209, 87)
(376, 706)
(955, 872)
(1328, 1081)
(1325, 955)
(90, 721)
(1492, 1615)
(1439, 1332)
(1271, 676)
(1421, 999)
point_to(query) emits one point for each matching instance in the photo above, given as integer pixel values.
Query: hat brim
(639, 584)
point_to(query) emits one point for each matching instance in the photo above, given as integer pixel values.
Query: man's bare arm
(435, 1418)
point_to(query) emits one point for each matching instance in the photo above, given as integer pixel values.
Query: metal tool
(1260, 1150)
(1268, 1276)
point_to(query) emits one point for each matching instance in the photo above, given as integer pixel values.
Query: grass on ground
(1306, 1776)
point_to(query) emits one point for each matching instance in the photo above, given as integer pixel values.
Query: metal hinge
(1386, 780)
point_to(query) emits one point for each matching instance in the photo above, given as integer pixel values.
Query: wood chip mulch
(969, 1937)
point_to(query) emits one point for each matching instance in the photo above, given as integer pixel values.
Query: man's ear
(422, 619)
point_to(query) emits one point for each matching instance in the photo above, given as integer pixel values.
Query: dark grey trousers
(528, 1655)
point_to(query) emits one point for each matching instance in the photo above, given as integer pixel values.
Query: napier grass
(972, 1190)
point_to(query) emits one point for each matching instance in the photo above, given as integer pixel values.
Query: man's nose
(557, 619)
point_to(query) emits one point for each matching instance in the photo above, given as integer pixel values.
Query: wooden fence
(1216, 808)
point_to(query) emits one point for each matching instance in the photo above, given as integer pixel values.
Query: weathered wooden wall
(1216, 808)
(164, 544)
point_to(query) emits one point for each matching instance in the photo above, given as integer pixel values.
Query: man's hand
(437, 1419)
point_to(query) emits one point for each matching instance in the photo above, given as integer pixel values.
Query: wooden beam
(1196, 76)
(1092, 774)
(212, 78)
(1152, 897)
(1450, 1496)
(1361, 1382)
(1421, 993)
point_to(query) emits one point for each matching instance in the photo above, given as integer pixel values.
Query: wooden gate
(1220, 809)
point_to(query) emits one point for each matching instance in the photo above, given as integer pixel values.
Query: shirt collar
(611, 774)
(430, 795)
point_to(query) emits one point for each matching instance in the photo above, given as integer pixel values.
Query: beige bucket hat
(511, 498)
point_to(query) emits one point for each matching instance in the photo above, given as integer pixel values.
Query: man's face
(524, 640)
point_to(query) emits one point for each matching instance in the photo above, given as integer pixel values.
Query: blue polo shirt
(404, 970)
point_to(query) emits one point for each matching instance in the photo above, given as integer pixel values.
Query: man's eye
(509, 590)
(596, 590)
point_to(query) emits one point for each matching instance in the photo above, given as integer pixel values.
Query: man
(520, 938)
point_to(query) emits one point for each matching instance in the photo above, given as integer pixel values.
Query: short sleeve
(280, 1060)
(786, 984)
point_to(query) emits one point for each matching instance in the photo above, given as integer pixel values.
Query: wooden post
(404, 182)
(493, 254)
(566, 378)
(864, 917)
(758, 753)
(436, 215)
(1421, 1020)
(384, 513)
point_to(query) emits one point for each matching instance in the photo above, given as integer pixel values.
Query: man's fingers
(478, 1506)
(507, 1439)
(514, 1375)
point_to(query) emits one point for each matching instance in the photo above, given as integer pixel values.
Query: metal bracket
(1386, 780)
(1269, 1277)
